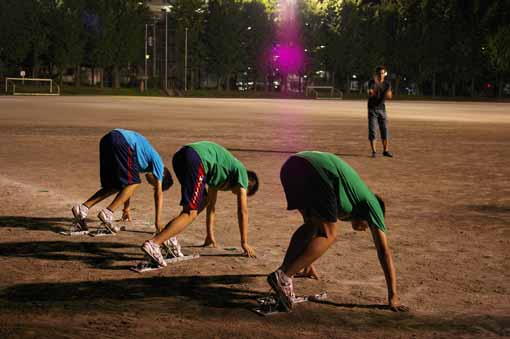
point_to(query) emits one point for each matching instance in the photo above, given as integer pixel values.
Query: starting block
(150, 265)
(71, 232)
(270, 305)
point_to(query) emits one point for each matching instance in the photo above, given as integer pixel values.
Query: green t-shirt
(220, 165)
(354, 197)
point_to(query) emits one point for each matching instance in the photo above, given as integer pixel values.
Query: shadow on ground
(36, 224)
(290, 152)
(490, 209)
(213, 291)
(188, 294)
(97, 254)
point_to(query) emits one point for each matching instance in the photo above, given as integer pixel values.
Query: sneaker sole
(110, 228)
(153, 258)
(286, 303)
(80, 222)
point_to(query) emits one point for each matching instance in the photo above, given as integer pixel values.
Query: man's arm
(370, 90)
(212, 194)
(158, 199)
(158, 205)
(126, 215)
(386, 261)
(242, 215)
(389, 93)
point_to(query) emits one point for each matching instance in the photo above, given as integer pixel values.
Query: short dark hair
(382, 204)
(253, 183)
(167, 180)
(379, 68)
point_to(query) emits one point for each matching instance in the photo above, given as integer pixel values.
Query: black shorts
(190, 172)
(307, 191)
(118, 162)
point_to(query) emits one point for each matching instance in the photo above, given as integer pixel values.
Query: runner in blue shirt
(123, 155)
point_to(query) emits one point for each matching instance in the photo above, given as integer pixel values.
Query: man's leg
(311, 251)
(308, 243)
(99, 196)
(175, 226)
(106, 214)
(372, 121)
(80, 211)
(385, 145)
(123, 196)
(152, 246)
(383, 128)
(372, 146)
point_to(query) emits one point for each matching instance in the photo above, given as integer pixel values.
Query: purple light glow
(289, 58)
(288, 53)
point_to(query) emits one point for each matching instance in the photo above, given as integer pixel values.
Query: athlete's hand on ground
(308, 272)
(396, 306)
(248, 250)
(210, 242)
(126, 215)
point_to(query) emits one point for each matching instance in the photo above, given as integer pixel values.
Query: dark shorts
(190, 172)
(377, 117)
(118, 162)
(306, 190)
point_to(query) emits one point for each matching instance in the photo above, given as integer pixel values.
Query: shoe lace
(288, 288)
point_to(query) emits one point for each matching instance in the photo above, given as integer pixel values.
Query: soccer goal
(323, 92)
(31, 86)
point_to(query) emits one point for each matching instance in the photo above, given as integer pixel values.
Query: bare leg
(123, 196)
(313, 249)
(298, 243)
(175, 226)
(372, 145)
(99, 196)
(385, 144)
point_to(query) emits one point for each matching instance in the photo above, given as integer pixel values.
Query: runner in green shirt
(197, 165)
(324, 189)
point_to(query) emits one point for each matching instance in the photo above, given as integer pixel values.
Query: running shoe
(80, 212)
(106, 217)
(283, 288)
(152, 249)
(172, 247)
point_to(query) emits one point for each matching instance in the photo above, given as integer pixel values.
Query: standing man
(324, 189)
(196, 165)
(123, 154)
(378, 91)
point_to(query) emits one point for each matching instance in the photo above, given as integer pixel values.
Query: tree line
(432, 47)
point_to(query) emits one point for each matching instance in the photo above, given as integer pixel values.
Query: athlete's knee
(328, 230)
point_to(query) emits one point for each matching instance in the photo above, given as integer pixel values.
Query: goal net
(323, 92)
(31, 86)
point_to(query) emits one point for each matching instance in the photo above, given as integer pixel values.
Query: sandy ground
(448, 210)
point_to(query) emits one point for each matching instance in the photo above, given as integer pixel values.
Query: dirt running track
(448, 210)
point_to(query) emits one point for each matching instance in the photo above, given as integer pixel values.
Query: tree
(190, 15)
(117, 34)
(225, 50)
(258, 35)
(68, 37)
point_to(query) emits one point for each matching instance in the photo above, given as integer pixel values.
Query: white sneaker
(282, 285)
(173, 248)
(80, 212)
(106, 217)
(152, 249)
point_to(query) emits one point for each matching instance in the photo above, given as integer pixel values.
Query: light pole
(166, 49)
(186, 60)
(154, 49)
(145, 55)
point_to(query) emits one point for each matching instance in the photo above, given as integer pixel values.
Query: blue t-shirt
(147, 157)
